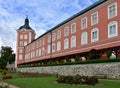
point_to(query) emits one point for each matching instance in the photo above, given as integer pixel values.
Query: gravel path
(8, 84)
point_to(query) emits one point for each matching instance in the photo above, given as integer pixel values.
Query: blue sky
(43, 15)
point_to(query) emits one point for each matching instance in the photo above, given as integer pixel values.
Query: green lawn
(49, 82)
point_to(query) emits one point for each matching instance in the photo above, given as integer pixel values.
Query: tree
(7, 56)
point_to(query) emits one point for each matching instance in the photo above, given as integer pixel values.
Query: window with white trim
(25, 36)
(112, 29)
(66, 43)
(84, 23)
(53, 37)
(58, 46)
(42, 51)
(112, 10)
(20, 57)
(94, 18)
(25, 43)
(43, 42)
(73, 28)
(39, 52)
(66, 31)
(59, 34)
(84, 38)
(21, 50)
(21, 36)
(49, 38)
(48, 49)
(53, 47)
(21, 43)
(94, 35)
(73, 41)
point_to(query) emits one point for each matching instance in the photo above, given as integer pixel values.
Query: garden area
(36, 80)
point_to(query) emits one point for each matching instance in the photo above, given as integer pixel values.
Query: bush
(8, 76)
(77, 80)
(4, 72)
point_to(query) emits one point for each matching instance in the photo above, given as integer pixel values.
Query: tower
(25, 35)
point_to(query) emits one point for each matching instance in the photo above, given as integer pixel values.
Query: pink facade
(96, 27)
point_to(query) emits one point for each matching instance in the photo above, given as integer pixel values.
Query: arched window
(66, 43)
(58, 46)
(73, 41)
(112, 29)
(84, 38)
(94, 35)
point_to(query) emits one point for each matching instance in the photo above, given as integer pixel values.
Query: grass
(49, 82)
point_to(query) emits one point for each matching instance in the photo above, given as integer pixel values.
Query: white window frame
(95, 39)
(25, 43)
(21, 36)
(111, 24)
(66, 43)
(49, 38)
(54, 36)
(58, 34)
(37, 53)
(73, 41)
(53, 47)
(92, 21)
(48, 49)
(115, 3)
(20, 50)
(82, 23)
(20, 57)
(73, 30)
(66, 31)
(21, 43)
(40, 52)
(58, 46)
(84, 38)
(25, 36)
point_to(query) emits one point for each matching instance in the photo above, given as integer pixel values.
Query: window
(112, 29)
(25, 43)
(73, 28)
(84, 23)
(53, 37)
(48, 50)
(84, 38)
(66, 43)
(112, 10)
(73, 41)
(53, 47)
(66, 31)
(94, 18)
(49, 38)
(20, 57)
(21, 51)
(94, 35)
(39, 52)
(59, 34)
(37, 44)
(58, 46)
(43, 42)
(21, 43)
(42, 52)
(25, 36)
(21, 36)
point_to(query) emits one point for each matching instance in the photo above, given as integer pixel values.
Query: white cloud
(43, 15)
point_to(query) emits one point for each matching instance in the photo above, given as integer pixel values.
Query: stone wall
(111, 70)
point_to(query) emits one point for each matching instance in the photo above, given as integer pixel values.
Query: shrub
(4, 72)
(77, 80)
(8, 76)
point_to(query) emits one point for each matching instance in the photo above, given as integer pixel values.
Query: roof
(26, 26)
(74, 16)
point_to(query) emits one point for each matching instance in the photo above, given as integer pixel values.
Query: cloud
(43, 15)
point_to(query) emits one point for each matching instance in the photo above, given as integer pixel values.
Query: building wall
(111, 70)
(32, 49)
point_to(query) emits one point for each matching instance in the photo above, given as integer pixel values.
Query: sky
(43, 15)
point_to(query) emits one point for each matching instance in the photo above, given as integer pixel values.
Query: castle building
(91, 32)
